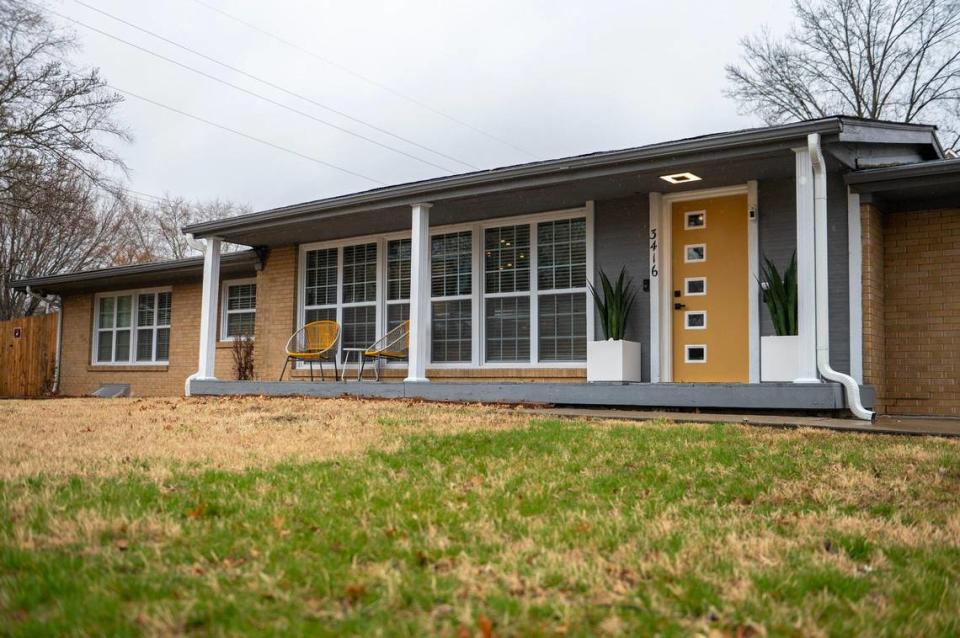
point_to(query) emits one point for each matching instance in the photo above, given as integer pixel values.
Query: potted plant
(780, 354)
(615, 358)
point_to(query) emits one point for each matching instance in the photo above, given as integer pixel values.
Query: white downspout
(56, 357)
(850, 386)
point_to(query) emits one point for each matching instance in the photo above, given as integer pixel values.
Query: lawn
(334, 517)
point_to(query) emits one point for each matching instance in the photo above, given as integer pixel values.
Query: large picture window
(132, 327)
(501, 294)
(451, 291)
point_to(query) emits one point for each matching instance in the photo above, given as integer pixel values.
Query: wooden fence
(28, 350)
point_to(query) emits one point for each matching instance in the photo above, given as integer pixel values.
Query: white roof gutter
(850, 386)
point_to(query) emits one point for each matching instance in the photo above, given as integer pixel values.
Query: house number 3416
(653, 253)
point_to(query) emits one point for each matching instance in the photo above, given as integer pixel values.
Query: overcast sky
(553, 78)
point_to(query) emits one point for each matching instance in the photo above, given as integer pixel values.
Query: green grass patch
(557, 528)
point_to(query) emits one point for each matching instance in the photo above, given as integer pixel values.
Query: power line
(366, 78)
(273, 85)
(248, 91)
(247, 136)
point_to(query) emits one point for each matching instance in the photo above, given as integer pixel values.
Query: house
(492, 268)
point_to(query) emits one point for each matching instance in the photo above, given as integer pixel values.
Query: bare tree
(51, 113)
(894, 60)
(52, 220)
(153, 230)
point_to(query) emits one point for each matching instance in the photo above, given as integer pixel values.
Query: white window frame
(339, 305)
(686, 353)
(690, 313)
(686, 287)
(686, 253)
(477, 285)
(385, 274)
(225, 308)
(134, 328)
(690, 213)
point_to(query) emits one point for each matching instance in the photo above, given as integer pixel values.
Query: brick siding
(921, 297)
(78, 376)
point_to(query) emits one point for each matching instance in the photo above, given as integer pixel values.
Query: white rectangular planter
(779, 358)
(613, 360)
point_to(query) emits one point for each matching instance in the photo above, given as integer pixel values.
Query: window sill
(226, 343)
(151, 367)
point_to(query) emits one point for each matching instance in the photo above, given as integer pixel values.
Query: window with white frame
(340, 284)
(320, 285)
(527, 289)
(398, 282)
(562, 289)
(359, 295)
(506, 272)
(132, 327)
(239, 308)
(451, 292)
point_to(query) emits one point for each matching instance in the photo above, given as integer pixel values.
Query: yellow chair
(316, 342)
(393, 346)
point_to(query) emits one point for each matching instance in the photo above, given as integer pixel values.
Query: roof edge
(169, 266)
(425, 188)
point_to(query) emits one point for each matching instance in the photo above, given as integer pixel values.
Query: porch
(726, 396)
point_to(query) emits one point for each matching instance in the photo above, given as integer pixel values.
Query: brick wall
(871, 222)
(78, 376)
(921, 292)
(276, 311)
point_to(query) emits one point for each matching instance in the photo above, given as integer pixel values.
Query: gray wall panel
(838, 258)
(621, 227)
(777, 231)
(777, 235)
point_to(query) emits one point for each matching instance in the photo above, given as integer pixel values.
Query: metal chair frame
(386, 348)
(314, 355)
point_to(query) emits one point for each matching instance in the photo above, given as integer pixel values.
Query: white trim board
(855, 248)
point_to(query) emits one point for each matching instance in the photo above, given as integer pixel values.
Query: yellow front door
(710, 305)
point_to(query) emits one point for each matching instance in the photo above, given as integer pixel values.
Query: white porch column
(208, 308)
(419, 294)
(806, 270)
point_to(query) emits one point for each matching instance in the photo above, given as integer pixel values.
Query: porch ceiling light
(680, 178)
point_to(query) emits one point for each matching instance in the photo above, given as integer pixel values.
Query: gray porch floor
(749, 396)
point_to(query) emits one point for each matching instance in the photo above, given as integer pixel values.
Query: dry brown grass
(97, 437)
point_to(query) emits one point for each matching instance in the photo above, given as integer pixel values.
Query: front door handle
(679, 306)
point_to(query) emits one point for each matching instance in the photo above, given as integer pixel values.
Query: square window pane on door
(694, 253)
(695, 219)
(695, 286)
(695, 354)
(696, 320)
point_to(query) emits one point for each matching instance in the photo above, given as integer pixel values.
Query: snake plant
(780, 296)
(614, 304)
